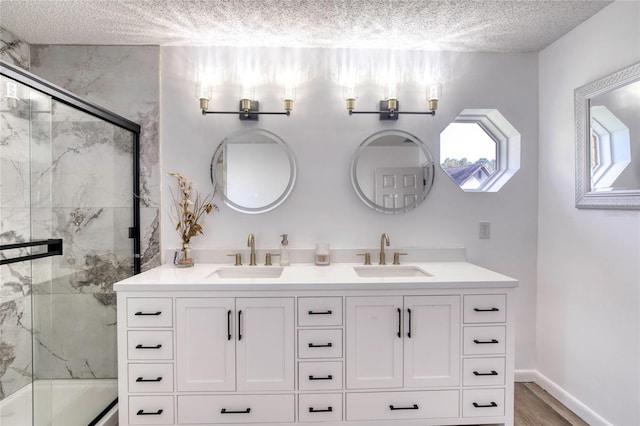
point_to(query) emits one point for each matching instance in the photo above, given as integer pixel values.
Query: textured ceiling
(464, 25)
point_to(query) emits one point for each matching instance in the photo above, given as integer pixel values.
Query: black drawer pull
(409, 332)
(414, 407)
(327, 410)
(399, 323)
(229, 325)
(327, 345)
(140, 379)
(493, 373)
(148, 347)
(239, 325)
(245, 411)
(486, 310)
(329, 377)
(492, 405)
(143, 413)
(147, 313)
(329, 312)
(485, 342)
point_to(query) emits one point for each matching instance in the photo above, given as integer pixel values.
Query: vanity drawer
(322, 311)
(208, 409)
(485, 308)
(151, 410)
(483, 403)
(323, 407)
(484, 340)
(149, 312)
(149, 378)
(320, 375)
(483, 372)
(150, 345)
(402, 405)
(319, 343)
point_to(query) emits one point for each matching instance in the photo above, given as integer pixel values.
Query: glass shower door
(66, 174)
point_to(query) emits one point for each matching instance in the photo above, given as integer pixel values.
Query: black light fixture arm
(243, 113)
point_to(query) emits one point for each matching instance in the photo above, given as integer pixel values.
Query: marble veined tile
(97, 74)
(15, 278)
(14, 50)
(76, 337)
(15, 345)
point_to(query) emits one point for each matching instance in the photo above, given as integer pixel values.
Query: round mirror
(392, 171)
(253, 171)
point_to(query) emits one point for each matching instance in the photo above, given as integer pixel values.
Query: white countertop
(308, 276)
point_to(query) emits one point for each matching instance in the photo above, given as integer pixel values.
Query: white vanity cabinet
(410, 341)
(228, 344)
(367, 354)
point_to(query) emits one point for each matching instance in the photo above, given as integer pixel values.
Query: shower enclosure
(69, 229)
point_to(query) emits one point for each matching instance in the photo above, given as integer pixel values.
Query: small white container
(323, 255)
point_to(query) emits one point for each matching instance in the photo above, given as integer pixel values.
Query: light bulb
(203, 93)
(349, 93)
(248, 92)
(391, 91)
(289, 97)
(434, 93)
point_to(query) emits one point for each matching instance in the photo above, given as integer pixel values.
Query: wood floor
(535, 407)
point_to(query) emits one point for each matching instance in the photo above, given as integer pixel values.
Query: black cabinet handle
(143, 413)
(245, 411)
(493, 373)
(414, 407)
(492, 405)
(326, 410)
(229, 324)
(140, 379)
(329, 377)
(486, 310)
(329, 312)
(400, 323)
(409, 332)
(327, 345)
(485, 342)
(147, 313)
(239, 325)
(148, 347)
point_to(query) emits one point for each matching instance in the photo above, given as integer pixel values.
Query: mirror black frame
(585, 198)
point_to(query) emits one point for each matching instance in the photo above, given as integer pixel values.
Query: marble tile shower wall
(71, 152)
(125, 80)
(15, 279)
(88, 156)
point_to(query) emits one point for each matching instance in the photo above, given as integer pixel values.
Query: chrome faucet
(251, 242)
(384, 239)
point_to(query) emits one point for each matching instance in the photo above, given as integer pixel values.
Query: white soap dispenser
(284, 251)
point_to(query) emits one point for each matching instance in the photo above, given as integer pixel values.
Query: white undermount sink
(390, 271)
(248, 272)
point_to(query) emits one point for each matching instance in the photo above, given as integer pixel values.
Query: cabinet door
(374, 342)
(205, 344)
(265, 344)
(432, 341)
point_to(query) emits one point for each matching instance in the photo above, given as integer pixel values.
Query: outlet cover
(485, 230)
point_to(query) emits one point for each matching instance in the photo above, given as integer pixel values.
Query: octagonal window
(610, 148)
(480, 150)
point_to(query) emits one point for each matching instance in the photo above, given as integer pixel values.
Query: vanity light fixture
(249, 109)
(390, 107)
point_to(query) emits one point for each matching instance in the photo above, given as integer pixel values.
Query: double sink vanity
(428, 342)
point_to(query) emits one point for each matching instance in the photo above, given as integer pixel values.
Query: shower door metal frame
(64, 96)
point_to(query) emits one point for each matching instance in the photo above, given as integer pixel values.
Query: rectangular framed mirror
(607, 120)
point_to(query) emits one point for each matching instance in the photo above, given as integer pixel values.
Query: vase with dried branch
(186, 213)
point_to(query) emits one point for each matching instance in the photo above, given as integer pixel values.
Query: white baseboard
(569, 401)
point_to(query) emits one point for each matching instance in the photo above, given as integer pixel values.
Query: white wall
(588, 307)
(323, 206)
